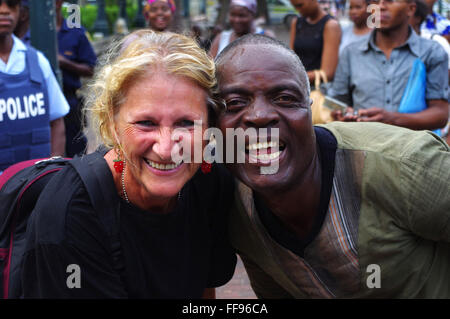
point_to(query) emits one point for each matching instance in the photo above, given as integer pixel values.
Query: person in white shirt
(32, 105)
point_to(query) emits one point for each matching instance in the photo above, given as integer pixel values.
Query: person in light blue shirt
(372, 74)
(32, 105)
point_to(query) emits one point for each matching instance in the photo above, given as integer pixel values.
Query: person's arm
(330, 53)
(425, 176)
(58, 137)
(85, 57)
(215, 46)
(340, 88)
(223, 258)
(331, 41)
(81, 69)
(292, 33)
(433, 117)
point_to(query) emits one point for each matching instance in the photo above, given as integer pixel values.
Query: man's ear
(411, 9)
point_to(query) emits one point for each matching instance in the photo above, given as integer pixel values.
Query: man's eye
(235, 104)
(285, 99)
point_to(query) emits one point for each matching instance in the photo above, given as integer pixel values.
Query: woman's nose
(164, 144)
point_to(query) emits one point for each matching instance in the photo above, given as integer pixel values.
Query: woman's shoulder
(63, 209)
(332, 26)
(47, 222)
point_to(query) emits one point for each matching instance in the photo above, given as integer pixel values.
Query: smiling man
(354, 210)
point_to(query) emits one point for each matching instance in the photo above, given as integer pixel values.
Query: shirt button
(388, 81)
(388, 101)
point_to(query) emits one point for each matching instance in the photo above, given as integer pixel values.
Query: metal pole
(101, 23)
(123, 10)
(43, 31)
(139, 21)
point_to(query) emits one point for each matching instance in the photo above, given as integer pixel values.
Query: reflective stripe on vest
(24, 114)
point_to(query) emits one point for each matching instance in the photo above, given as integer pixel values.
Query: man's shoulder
(357, 48)
(386, 140)
(430, 48)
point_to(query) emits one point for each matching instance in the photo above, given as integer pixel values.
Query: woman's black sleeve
(223, 258)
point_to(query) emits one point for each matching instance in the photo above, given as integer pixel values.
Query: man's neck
(298, 207)
(6, 44)
(388, 40)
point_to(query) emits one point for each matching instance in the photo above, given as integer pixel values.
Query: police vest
(24, 114)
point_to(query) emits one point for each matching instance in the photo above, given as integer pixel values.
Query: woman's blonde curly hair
(130, 58)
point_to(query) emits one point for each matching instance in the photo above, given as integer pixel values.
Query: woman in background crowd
(359, 29)
(241, 17)
(315, 37)
(159, 14)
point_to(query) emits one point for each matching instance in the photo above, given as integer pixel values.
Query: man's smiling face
(263, 88)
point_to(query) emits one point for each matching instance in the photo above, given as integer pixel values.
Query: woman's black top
(173, 255)
(308, 42)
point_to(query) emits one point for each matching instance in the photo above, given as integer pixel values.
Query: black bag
(20, 188)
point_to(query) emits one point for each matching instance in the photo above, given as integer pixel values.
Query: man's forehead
(251, 58)
(254, 53)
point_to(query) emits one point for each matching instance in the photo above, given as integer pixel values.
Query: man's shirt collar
(412, 43)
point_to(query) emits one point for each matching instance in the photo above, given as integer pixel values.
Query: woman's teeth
(162, 167)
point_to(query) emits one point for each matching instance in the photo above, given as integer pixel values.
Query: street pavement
(238, 287)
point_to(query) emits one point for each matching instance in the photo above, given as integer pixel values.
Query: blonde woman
(172, 237)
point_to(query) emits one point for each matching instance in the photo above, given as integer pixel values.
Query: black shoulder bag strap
(94, 173)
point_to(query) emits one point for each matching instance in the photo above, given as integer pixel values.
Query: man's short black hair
(259, 39)
(421, 10)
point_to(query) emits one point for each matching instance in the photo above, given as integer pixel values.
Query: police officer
(76, 58)
(32, 105)
(22, 30)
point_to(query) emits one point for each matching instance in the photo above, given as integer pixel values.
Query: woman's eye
(185, 123)
(147, 123)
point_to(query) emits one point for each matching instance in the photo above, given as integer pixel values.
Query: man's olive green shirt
(391, 198)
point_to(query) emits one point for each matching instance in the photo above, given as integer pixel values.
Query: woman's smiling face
(155, 106)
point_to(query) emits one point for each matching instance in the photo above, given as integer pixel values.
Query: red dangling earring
(206, 167)
(118, 163)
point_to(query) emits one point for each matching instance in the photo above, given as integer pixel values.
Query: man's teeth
(258, 146)
(163, 167)
(268, 157)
